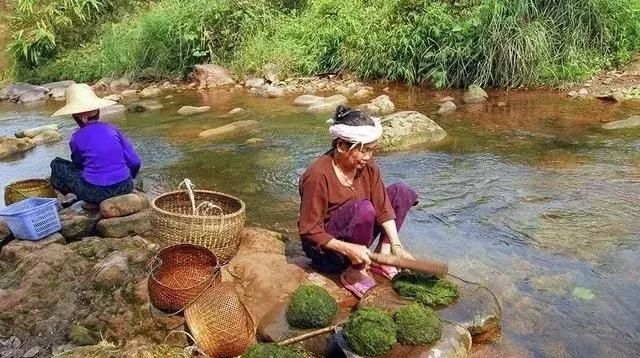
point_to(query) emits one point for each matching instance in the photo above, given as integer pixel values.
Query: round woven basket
(30, 188)
(174, 222)
(180, 274)
(220, 323)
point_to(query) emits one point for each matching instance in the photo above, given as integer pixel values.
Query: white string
(189, 186)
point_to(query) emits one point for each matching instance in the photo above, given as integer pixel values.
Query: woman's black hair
(95, 117)
(350, 117)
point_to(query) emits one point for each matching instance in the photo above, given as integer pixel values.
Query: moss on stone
(417, 325)
(271, 350)
(425, 289)
(311, 307)
(81, 336)
(370, 332)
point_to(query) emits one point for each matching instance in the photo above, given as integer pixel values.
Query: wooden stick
(307, 335)
(437, 268)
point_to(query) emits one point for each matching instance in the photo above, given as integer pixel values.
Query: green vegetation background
(503, 43)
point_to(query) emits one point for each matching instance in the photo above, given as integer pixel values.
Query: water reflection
(532, 198)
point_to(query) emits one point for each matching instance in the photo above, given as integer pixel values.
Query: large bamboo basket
(174, 222)
(180, 274)
(30, 188)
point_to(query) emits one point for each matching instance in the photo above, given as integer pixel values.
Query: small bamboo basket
(200, 217)
(220, 323)
(30, 188)
(179, 275)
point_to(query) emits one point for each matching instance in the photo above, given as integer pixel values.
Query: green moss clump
(428, 290)
(271, 350)
(370, 332)
(311, 307)
(417, 325)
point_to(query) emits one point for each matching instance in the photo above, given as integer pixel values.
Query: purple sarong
(356, 223)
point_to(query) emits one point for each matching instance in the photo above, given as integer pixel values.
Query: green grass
(505, 43)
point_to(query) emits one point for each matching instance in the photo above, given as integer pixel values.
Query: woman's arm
(391, 230)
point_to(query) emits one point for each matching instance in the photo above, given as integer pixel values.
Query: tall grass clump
(41, 29)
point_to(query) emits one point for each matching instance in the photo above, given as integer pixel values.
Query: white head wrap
(357, 134)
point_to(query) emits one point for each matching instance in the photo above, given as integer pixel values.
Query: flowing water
(531, 199)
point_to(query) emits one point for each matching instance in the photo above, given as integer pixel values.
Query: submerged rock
(47, 136)
(10, 146)
(209, 76)
(58, 93)
(113, 112)
(151, 91)
(327, 104)
(236, 111)
(447, 107)
(630, 122)
(146, 105)
(270, 91)
(475, 94)
(32, 96)
(32, 132)
(254, 141)
(191, 110)
(307, 100)
(231, 128)
(408, 128)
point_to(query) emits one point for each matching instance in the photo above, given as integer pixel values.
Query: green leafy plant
(311, 306)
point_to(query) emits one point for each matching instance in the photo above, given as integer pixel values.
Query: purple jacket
(105, 154)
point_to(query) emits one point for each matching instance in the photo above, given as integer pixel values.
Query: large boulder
(327, 104)
(261, 272)
(135, 224)
(229, 129)
(405, 129)
(191, 110)
(146, 105)
(78, 223)
(48, 136)
(32, 132)
(384, 104)
(475, 94)
(210, 75)
(14, 91)
(60, 84)
(630, 122)
(123, 205)
(10, 146)
(307, 100)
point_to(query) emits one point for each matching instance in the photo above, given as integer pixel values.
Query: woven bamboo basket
(30, 188)
(220, 323)
(180, 274)
(174, 222)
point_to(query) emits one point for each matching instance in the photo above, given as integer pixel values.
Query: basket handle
(189, 186)
(189, 349)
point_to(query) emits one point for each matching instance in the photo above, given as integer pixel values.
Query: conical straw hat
(80, 98)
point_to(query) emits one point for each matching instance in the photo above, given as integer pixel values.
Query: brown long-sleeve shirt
(322, 193)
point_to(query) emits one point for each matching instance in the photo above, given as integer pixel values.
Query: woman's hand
(357, 254)
(398, 250)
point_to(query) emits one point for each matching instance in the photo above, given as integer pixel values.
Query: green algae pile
(311, 307)
(417, 325)
(370, 332)
(425, 289)
(271, 350)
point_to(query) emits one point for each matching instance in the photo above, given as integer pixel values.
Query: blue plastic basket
(32, 218)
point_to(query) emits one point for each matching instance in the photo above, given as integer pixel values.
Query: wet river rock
(10, 146)
(408, 128)
(230, 129)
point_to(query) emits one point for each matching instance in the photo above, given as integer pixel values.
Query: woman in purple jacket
(103, 162)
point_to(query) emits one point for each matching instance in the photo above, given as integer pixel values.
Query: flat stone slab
(477, 309)
(625, 123)
(454, 343)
